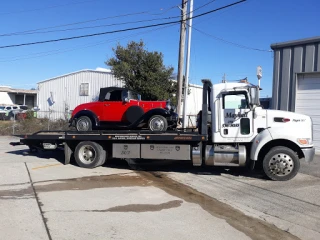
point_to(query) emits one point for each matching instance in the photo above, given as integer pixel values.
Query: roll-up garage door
(308, 102)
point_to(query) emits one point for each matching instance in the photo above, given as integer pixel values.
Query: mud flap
(67, 153)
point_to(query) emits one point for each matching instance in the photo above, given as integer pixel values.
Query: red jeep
(120, 108)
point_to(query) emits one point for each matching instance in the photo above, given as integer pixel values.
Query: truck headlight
(305, 141)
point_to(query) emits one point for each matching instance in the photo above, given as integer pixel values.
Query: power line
(232, 43)
(117, 31)
(36, 31)
(76, 23)
(89, 27)
(49, 7)
(86, 21)
(206, 4)
(58, 51)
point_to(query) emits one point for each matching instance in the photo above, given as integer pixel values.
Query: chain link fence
(33, 121)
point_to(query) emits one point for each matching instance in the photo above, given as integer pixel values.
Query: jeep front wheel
(158, 123)
(84, 124)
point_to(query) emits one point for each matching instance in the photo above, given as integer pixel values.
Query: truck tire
(281, 164)
(90, 154)
(84, 124)
(158, 123)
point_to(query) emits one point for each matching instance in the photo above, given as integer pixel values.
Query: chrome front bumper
(308, 154)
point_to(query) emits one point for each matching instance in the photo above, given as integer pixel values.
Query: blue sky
(254, 23)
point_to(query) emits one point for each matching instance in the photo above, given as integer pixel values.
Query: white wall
(194, 104)
(5, 98)
(65, 91)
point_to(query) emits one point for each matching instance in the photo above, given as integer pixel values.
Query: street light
(259, 74)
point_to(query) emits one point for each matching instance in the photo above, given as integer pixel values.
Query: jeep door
(113, 107)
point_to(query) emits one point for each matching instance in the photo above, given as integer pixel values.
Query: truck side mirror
(254, 94)
(126, 100)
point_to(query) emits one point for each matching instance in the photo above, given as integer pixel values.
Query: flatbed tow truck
(233, 130)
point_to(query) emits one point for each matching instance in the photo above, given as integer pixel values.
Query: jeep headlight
(168, 105)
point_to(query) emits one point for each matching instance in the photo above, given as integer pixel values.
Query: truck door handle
(225, 131)
(107, 105)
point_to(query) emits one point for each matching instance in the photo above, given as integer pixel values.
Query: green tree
(142, 71)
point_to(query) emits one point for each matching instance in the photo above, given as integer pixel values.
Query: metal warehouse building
(296, 79)
(60, 95)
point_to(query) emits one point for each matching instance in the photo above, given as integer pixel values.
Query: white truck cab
(241, 131)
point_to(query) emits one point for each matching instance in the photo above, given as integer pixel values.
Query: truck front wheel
(90, 154)
(281, 164)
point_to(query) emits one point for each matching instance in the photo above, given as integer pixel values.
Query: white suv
(10, 111)
(14, 108)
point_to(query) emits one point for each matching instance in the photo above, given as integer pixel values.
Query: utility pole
(181, 54)
(186, 83)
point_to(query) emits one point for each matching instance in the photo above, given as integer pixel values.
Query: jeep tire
(157, 123)
(83, 124)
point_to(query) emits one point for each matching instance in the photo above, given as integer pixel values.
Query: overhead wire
(36, 31)
(231, 43)
(83, 22)
(204, 5)
(90, 27)
(117, 31)
(58, 51)
(48, 7)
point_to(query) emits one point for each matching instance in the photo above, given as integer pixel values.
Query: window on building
(84, 89)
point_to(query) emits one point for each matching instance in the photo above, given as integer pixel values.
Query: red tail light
(286, 120)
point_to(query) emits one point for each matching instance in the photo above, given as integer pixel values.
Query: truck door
(236, 115)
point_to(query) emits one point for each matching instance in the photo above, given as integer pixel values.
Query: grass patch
(32, 125)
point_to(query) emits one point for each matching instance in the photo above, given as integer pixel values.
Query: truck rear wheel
(90, 154)
(281, 164)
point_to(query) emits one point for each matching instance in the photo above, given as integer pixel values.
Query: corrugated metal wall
(66, 91)
(194, 104)
(291, 58)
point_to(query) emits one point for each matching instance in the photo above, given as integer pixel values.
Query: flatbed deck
(114, 135)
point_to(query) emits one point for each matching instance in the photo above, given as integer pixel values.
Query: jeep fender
(145, 117)
(91, 115)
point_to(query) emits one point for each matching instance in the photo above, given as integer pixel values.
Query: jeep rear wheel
(84, 124)
(158, 123)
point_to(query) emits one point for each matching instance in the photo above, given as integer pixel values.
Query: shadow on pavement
(151, 165)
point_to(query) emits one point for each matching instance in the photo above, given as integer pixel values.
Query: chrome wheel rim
(156, 124)
(281, 164)
(87, 154)
(82, 125)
